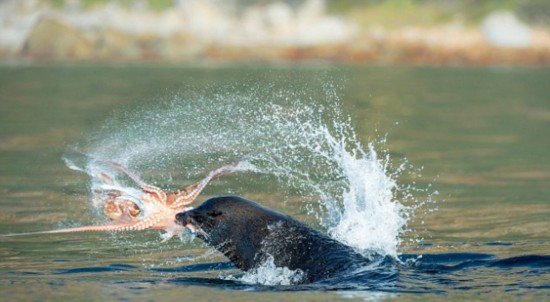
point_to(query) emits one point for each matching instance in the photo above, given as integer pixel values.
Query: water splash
(271, 275)
(301, 138)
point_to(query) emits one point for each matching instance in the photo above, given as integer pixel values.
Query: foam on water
(269, 274)
(295, 134)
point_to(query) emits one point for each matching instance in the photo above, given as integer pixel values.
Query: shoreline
(200, 31)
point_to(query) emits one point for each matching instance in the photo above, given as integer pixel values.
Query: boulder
(53, 39)
(504, 29)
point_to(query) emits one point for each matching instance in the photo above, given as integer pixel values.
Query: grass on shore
(387, 13)
(397, 13)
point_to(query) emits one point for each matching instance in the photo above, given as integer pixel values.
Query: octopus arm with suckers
(150, 208)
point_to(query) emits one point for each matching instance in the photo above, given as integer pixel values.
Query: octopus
(148, 207)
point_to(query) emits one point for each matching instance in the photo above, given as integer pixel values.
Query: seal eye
(215, 214)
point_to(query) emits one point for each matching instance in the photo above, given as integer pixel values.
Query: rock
(504, 29)
(51, 38)
(313, 26)
(182, 47)
(254, 28)
(114, 44)
(17, 19)
(279, 15)
(208, 22)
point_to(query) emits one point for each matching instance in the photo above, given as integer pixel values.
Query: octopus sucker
(149, 208)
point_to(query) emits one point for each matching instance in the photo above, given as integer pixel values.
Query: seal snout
(183, 218)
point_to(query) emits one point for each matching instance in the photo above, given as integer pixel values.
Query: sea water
(302, 139)
(308, 145)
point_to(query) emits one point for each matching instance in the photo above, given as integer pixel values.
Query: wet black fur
(248, 233)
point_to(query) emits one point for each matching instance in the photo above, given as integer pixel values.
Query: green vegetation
(386, 12)
(394, 13)
(159, 4)
(156, 5)
(429, 12)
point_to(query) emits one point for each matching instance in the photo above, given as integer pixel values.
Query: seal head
(249, 234)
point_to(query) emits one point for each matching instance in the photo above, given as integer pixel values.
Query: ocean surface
(440, 175)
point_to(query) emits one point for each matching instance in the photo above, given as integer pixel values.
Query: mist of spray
(302, 138)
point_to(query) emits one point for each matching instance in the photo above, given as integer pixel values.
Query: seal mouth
(187, 221)
(193, 228)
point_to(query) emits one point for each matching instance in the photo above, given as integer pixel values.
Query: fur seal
(250, 234)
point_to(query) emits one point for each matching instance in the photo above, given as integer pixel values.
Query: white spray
(306, 142)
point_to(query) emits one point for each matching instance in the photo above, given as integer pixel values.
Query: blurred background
(444, 32)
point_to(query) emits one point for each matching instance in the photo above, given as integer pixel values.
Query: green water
(480, 134)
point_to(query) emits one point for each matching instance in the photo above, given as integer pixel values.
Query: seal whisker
(204, 234)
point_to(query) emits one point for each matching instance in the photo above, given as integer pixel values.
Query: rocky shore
(195, 30)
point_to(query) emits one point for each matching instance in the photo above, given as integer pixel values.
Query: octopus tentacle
(152, 190)
(89, 228)
(123, 227)
(171, 232)
(186, 195)
(136, 210)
